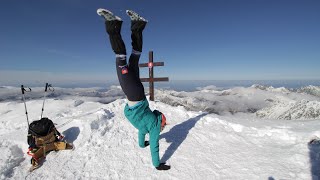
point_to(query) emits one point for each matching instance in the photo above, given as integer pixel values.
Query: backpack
(42, 132)
(43, 136)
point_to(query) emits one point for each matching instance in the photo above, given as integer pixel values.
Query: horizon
(184, 85)
(220, 40)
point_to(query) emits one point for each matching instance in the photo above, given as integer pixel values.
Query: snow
(237, 133)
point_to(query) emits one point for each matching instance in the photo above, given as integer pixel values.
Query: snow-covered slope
(197, 144)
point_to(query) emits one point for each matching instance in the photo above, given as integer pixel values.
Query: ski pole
(24, 101)
(48, 86)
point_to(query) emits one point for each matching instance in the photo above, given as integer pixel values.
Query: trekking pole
(48, 86)
(24, 101)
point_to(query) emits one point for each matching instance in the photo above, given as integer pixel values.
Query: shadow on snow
(71, 134)
(177, 135)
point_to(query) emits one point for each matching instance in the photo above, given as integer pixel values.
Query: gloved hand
(146, 143)
(163, 166)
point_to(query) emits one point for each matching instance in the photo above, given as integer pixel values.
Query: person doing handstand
(137, 109)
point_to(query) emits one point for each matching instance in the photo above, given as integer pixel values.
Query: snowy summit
(238, 133)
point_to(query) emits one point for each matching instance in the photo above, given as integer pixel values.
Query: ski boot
(108, 15)
(135, 16)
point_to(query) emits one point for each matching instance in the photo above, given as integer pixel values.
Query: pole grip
(46, 89)
(22, 89)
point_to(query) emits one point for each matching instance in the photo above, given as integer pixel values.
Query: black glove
(146, 143)
(163, 166)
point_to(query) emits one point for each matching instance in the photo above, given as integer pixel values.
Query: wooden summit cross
(152, 79)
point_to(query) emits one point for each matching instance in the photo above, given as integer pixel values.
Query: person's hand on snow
(163, 166)
(146, 143)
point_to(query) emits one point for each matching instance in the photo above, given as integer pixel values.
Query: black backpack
(40, 128)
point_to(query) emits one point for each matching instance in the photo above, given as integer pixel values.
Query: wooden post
(151, 78)
(151, 83)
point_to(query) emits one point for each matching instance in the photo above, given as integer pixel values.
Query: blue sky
(64, 40)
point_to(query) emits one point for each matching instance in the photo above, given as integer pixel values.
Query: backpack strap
(42, 151)
(45, 140)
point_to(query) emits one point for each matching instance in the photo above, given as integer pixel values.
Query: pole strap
(23, 89)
